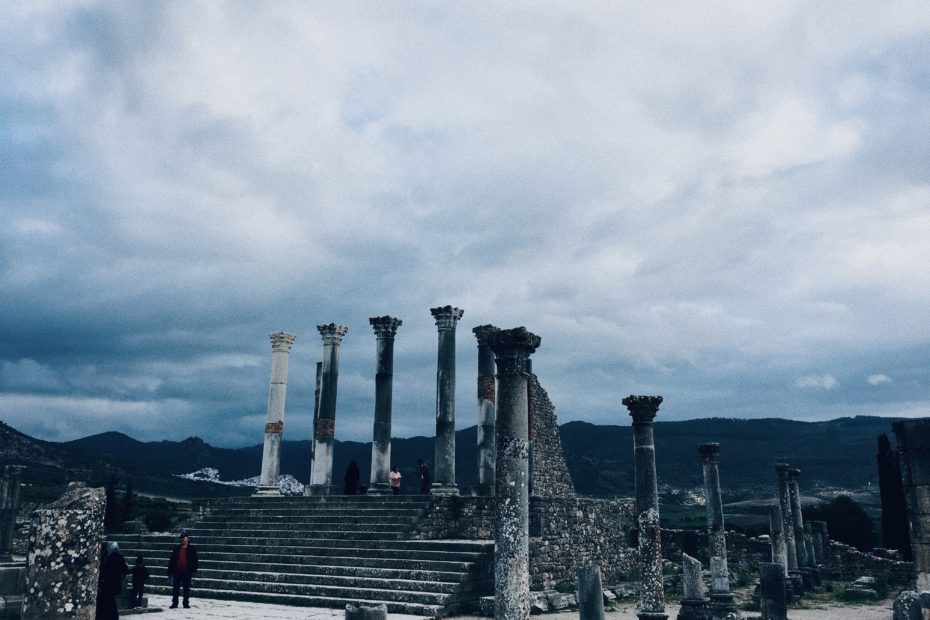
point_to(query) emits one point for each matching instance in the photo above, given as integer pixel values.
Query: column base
(652, 615)
(267, 491)
(317, 490)
(484, 490)
(379, 488)
(723, 606)
(693, 609)
(797, 583)
(444, 488)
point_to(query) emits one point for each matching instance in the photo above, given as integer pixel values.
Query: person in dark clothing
(425, 480)
(351, 479)
(113, 571)
(181, 567)
(140, 574)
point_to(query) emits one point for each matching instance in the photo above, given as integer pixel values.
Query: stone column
(321, 478)
(797, 519)
(511, 349)
(693, 605)
(820, 550)
(773, 598)
(643, 410)
(590, 593)
(487, 453)
(777, 537)
(444, 474)
(9, 507)
(316, 416)
(913, 439)
(723, 600)
(385, 329)
(784, 502)
(281, 343)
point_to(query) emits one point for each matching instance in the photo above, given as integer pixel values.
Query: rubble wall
(549, 474)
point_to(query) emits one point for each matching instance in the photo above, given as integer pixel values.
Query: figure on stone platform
(351, 479)
(425, 479)
(395, 479)
(113, 570)
(181, 568)
(140, 574)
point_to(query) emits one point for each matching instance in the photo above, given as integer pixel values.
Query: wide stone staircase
(324, 552)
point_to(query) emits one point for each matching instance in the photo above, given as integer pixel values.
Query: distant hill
(838, 453)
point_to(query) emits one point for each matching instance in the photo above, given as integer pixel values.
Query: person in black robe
(113, 570)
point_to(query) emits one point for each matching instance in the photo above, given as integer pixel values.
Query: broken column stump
(590, 593)
(773, 592)
(693, 603)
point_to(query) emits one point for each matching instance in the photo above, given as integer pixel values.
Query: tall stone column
(316, 416)
(797, 519)
(720, 573)
(777, 538)
(321, 478)
(511, 349)
(643, 410)
(913, 439)
(385, 329)
(281, 343)
(487, 414)
(444, 472)
(784, 502)
(9, 506)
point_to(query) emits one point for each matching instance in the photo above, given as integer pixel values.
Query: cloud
(696, 203)
(824, 382)
(879, 379)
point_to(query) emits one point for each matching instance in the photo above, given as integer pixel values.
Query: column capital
(643, 409)
(281, 341)
(793, 474)
(710, 452)
(446, 316)
(483, 332)
(512, 347)
(781, 469)
(385, 326)
(332, 333)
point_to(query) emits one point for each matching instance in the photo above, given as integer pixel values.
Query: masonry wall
(549, 474)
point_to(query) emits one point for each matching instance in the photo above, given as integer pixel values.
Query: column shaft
(316, 416)
(777, 537)
(511, 552)
(487, 413)
(784, 502)
(385, 329)
(281, 343)
(444, 473)
(321, 478)
(716, 533)
(643, 410)
(797, 519)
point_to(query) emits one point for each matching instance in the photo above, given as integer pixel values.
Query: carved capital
(385, 326)
(710, 452)
(643, 409)
(446, 316)
(332, 333)
(482, 332)
(281, 341)
(793, 474)
(781, 470)
(325, 428)
(512, 347)
(275, 427)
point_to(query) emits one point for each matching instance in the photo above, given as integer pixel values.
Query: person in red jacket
(181, 567)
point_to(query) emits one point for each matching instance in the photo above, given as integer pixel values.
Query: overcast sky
(727, 204)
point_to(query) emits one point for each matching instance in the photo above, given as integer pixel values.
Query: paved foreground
(207, 609)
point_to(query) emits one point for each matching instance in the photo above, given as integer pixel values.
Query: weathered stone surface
(512, 348)
(363, 612)
(907, 606)
(539, 603)
(773, 595)
(692, 580)
(487, 411)
(321, 475)
(652, 587)
(385, 328)
(591, 594)
(63, 558)
(913, 439)
(316, 416)
(557, 601)
(549, 475)
(784, 502)
(444, 471)
(486, 606)
(281, 343)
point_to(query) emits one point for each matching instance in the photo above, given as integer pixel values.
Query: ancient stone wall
(63, 559)
(454, 516)
(549, 474)
(847, 563)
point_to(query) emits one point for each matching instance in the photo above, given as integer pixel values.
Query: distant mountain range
(838, 454)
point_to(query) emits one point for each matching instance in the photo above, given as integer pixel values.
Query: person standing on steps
(425, 480)
(395, 479)
(140, 574)
(351, 479)
(113, 570)
(181, 568)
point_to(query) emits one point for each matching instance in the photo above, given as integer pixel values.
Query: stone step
(346, 592)
(373, 554)
(394, 607)
(263, 538)
(271, 503)
(157, 561)
(398, 583)
(263, 521)
(388, 529)
(311, 570)
(356, 547)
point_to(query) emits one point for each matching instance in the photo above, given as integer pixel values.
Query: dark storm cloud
(714, 205)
